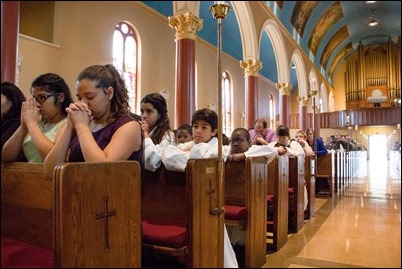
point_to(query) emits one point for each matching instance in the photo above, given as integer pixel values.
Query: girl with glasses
(42, 115)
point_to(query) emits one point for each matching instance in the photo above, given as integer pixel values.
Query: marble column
(251, 68)
(185, 25)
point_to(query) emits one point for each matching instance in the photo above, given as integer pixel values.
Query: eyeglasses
(41, 98)
(238, 140)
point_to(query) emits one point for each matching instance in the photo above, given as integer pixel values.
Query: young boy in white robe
(204, 124)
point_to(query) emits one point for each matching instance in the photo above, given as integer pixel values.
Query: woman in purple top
(100, 127)
(261, 134)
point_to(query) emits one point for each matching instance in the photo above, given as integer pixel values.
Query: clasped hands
(78, 113)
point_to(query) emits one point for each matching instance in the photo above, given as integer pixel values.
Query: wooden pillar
(284, 100)
(10, 11)
(251, 68)
(185, 26)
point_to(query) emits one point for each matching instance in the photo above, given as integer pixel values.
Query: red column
(10, 11)
(251, 100)
(284, 94)
(303, 102)
(185, 26)
(185, 81)
(251, 68)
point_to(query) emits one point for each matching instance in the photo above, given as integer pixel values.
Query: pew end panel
(206, 195)
(296, 182)
(309, 169)
(101, 201)
(26, 204)
(245, 186)
(278, 184)
(325, 175)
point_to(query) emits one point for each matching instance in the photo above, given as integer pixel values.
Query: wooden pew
(26, 204)
(325, 172)
(296, 181)
(245, 189)
(189, 203)
(309, 171)
(66, 216)
(278, 183)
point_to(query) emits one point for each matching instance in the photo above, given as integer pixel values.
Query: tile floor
(358, 227)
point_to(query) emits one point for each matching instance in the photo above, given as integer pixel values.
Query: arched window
(271, 112)
(227, 104)
(125, 59)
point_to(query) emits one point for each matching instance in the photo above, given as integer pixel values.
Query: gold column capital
(251, 67)
(186, 25)
(284, 88)
(316, 109)
(303, 100)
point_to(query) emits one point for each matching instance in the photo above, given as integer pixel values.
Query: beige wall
(81, 41)
(339, 86)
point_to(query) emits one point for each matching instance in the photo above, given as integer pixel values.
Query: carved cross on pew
(105, 215)
(259, 184)
(214, 210)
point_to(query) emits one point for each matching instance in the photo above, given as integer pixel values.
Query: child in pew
(156, 127)
(42, 117)
(301, 137)
(100, 127)
(204, 145)
(283, 146)
(184, 133)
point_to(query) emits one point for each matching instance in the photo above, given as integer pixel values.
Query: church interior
(333, 66)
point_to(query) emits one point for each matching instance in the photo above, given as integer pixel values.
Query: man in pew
(99, 126)
(204, 124)
(281, 147)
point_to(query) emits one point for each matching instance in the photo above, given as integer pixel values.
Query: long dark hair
(107, 76)
(15, 96)
(162, 125)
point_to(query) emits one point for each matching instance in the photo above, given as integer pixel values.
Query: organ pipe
(375, 65)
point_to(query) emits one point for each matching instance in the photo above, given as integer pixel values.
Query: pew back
(101, 201)
(192, 199)
(26, 203)
(65, 215)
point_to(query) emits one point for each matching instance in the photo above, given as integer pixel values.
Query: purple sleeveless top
(102, 138)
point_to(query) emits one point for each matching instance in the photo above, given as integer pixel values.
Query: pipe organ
(373, 76)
